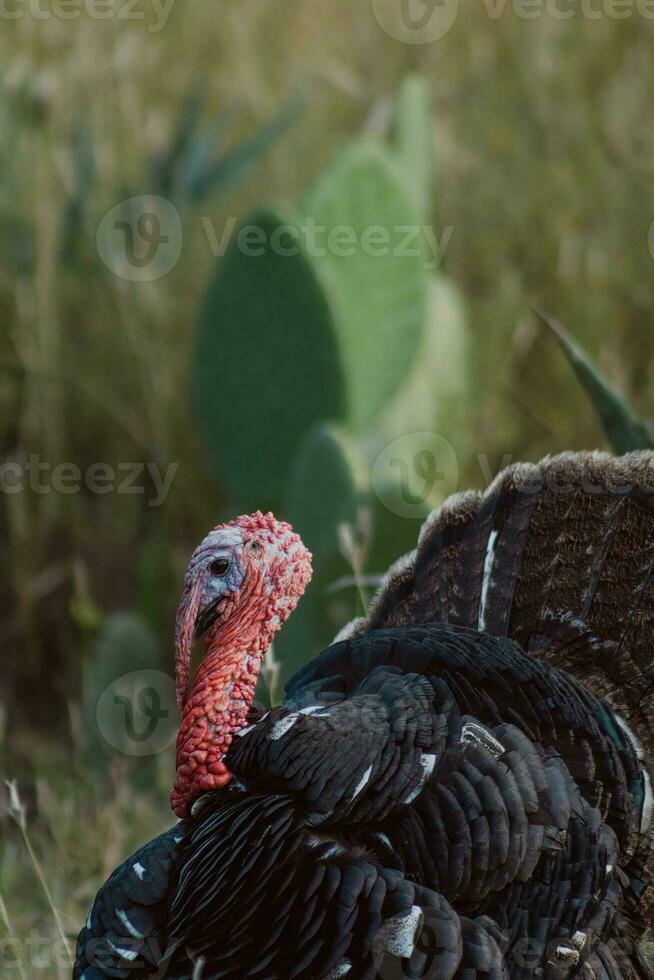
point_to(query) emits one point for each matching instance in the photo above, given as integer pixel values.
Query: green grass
(74, 829)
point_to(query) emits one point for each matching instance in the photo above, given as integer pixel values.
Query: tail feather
(438, 563)
(393, 606)
(569, 538)
(504, 555)
(558, 556)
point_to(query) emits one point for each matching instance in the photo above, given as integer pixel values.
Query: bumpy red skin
(277, 571)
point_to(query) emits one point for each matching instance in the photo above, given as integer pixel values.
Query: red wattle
(277, 569)
(215, 711)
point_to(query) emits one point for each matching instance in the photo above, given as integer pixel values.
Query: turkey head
(242, 583)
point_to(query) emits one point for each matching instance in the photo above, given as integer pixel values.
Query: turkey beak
(185, 626)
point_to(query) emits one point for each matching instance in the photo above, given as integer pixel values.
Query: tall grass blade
(11, 935)
(623, 429)
(18, 815)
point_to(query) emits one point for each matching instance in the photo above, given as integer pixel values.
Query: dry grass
(68, 835)
(545, 173)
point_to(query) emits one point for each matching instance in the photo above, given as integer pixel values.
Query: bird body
(459, 786)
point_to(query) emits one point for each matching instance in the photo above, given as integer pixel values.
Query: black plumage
(459, 787)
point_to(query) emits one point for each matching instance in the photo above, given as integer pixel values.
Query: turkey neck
(220, 699)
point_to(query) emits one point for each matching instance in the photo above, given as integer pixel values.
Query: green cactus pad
(414, 142)
(125, 646)
(267, 365)
(378, 291)
(324, 488)
(434, 395)
(324, 492)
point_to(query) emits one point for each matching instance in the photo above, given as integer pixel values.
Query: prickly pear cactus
(414, 143)
(325, 488)
(128, 699)
(374, 273)
(334, 336)
(267, 361)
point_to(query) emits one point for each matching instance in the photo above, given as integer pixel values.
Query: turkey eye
(256, 546)
(219, 566)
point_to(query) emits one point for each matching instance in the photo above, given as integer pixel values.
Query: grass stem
(4, 916)
(17, 812)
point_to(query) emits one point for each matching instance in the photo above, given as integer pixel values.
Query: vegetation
(279, 381)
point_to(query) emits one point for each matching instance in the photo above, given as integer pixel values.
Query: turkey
(459, 787)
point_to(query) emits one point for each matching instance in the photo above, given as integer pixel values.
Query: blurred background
(287, 255)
